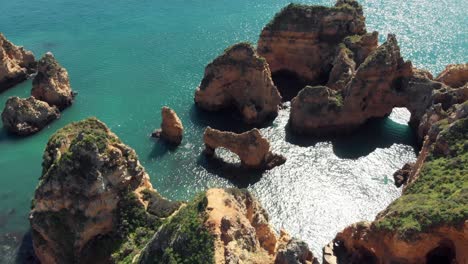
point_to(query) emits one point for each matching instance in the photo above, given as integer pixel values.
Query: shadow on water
(24, 254)
(240, 176)
(288, 84)
(375, 133)
(7, 136)
(226, 120)
(161, 148)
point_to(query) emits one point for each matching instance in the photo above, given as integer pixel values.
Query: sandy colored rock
(251, 147)
(241, 80)
(454, 75)
(303, 39)
(52, 84)
(171, 127)
(92, 188)
(383, 81)
(16, 64)
(235, 230)
(27, 116)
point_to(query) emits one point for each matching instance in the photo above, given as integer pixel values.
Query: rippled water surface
(127, 59)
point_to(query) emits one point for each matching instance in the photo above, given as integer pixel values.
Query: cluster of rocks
(95, 204)
(50, 94)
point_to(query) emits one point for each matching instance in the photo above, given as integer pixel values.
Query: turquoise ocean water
(127, 59)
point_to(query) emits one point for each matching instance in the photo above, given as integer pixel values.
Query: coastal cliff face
(52, 84)
(251, 147)
(16, 64)
(303, 39)
(223, 226)
(427, 224)
(380, 83)
(171, 127)
(454, 75)
(239, 79)
(94, 201)
(27, 116)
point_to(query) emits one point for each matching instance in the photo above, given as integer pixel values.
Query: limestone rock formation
(343, 70)
(52, 84)
(27, 116)
(401, 176)
(94, 202)
(171, 127)
(16, 64)
(302, 39)
(239, 79)
(224, 226)
(454, 75)
(428, 223)
(251, 147)
(383, 81)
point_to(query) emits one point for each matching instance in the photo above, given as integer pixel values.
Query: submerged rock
(52, 84)
(223, 226)
(94, 202)
(171, 127)
(16, 64)
(239, 79)
(454, 75)
(251, 147)
(27, 116)
(302, 39)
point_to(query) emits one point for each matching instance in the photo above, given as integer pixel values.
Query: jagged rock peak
(239, 79)
(27, 116)
(16, 64)
(52, 83)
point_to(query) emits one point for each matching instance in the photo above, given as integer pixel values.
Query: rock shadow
(161, 148)
(24, 253)
(235, 173)
(224, 120)
(375, 133)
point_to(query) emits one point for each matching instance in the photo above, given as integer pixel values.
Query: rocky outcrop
(401, 176)
(171, 127)
(52, 84)
(239, 79)
(383, 81)
(224, 226)
(251, 147)
(303, 39)
(454, 75)
(428, 223)
(16, 64)
(94, 202)
(27, 116)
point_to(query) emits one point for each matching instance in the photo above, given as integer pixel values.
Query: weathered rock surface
(52, 84)
(401, 176)
(303, 39)
(454, 75)
(171, 127)
(94, 198)
(239, 79)
(428, 223)
(16, 64)
(251, 147)
(27, 116)
(383, 81)
(227, 226)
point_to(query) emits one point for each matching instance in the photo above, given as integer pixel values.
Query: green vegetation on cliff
(439, 197)
(183, 238)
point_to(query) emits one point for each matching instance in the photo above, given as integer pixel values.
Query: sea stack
(16, 64)
(171, 127)
(94, 202)
(251, 147)
(52, 84)
(27, 116)
(239, 79)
